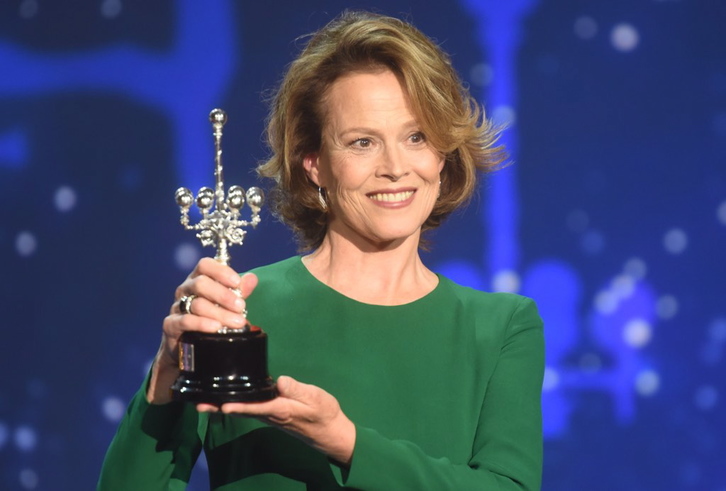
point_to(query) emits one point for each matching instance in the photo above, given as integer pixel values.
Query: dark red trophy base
(218, 368)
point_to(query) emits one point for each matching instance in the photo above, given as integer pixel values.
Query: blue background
(613, 215)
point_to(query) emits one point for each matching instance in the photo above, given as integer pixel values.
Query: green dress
(444, 392)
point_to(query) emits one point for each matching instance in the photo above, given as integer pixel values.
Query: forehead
(365, 94)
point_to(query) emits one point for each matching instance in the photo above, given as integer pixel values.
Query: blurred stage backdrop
(613, 216)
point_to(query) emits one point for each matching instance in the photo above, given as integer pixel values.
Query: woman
(402, 379)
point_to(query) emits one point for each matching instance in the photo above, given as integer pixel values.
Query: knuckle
(230, 299)
(204, 284)
(285, 417)
(166, 326)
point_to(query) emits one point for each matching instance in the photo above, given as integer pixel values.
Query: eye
(417, 137)
(361, 143)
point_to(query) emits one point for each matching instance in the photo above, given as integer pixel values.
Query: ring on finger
(185, 304)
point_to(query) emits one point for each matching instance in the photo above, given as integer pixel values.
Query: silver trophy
(230, 365)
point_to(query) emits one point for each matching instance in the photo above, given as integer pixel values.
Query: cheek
(349, 176)
(432, 169)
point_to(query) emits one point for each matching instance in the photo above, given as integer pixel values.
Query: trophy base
(217, 368)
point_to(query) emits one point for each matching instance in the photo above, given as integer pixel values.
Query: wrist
(163, 375)
(343, 441)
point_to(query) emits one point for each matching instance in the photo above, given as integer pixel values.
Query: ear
(441, 163)
(311, 164)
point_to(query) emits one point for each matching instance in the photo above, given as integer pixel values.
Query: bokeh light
(624, 37)
(28, 479)
(636, 268)
(667, 307)
(113, 409)
(65, 198)
(25, 438)
(717, 330)
(675, 241)
(481, 74)
(186, 256)
(504, 115)
(585, 27)
(647, 383)
(506, 281)
(551, 379)
(706, 397)
(26, 244)
(28, 9)
(593, 242)
(637, 333)
(721, 213)
(606, 302)
(110, 8)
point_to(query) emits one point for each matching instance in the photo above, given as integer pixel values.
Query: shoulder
(494, 315)
(492, 304)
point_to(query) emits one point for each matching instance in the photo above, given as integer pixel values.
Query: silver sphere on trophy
(230, 365)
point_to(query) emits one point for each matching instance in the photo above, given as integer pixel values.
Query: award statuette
(231, 364)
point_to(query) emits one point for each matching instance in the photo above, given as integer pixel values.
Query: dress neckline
(304, 271)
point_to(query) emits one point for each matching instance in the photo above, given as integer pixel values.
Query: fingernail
(239, 304)
(234, 279)
(238, 320)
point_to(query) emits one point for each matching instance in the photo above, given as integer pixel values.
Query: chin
(395, 235)
(379, 232)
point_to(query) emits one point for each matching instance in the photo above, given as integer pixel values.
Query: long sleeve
(507, 450)
(155, 447)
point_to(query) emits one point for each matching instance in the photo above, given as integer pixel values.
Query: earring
(321, 199)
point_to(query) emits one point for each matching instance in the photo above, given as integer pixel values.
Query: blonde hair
(453, 122)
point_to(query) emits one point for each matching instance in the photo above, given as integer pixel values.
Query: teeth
(391, 197)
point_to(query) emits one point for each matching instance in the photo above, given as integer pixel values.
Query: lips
(391, 197)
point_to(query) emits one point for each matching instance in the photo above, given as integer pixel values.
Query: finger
(277, 410)
(214, 292)
(290, 388)
(176, 324)
(217, 271)
(291, 394)
(202, 307)
(207, 408)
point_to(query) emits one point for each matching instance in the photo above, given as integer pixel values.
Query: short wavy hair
(453, 122)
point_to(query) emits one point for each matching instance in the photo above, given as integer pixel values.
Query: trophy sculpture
(231, 364)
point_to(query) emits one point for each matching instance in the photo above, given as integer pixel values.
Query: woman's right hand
(219, 300)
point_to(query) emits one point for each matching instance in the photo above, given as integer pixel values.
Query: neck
(381, 274)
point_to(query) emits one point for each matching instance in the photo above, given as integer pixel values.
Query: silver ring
(185, 304)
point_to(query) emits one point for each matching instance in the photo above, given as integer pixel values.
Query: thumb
(290, 388)
(247, 284)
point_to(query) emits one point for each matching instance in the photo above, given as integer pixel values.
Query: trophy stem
(222, 255)
(218, 169)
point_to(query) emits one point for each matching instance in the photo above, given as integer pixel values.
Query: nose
(393, 164)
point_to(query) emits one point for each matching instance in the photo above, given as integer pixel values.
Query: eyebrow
(372, 131)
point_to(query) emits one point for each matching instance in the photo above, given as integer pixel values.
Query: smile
(391, 197)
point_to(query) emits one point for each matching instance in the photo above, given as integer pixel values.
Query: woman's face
(380, 174)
